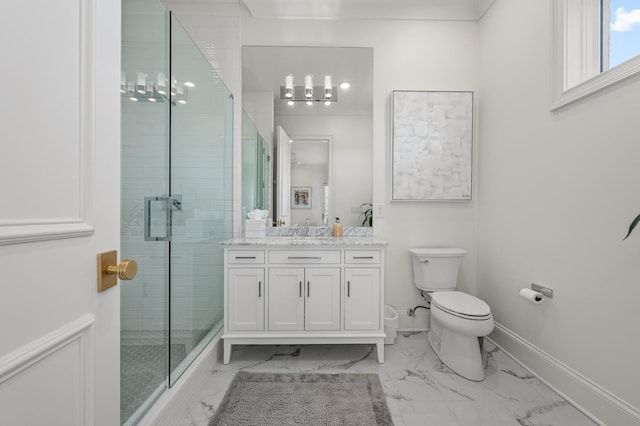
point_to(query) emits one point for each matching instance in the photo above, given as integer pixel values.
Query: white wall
(408, 55)
(557, 191)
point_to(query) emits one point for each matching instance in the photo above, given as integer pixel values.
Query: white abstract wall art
(432, 145)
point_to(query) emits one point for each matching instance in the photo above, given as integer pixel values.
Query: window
(621, 31)
(597, 43)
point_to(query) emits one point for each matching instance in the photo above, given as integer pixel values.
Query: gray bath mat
(275, 399)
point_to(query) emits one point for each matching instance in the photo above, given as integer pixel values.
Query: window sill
(600, 82)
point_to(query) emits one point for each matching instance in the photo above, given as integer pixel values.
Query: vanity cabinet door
(362, 299)
(286, 299)
(246, 299)
(322, 299)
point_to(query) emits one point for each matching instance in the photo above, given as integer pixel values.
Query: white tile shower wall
(196, 286)
(144, 173)
(215, 29)
(200, 173)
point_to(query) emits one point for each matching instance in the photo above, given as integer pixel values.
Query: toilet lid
(460, 303)
(437, 252)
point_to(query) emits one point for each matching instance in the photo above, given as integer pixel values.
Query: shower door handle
(169, 204)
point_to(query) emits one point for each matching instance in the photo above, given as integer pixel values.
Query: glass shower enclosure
(176, 202)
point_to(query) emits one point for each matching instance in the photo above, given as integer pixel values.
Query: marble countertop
(315, 241)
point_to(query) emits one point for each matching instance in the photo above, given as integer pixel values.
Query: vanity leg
(226, 351)
(380, 348)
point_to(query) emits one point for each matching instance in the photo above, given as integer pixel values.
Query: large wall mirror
(322, 150)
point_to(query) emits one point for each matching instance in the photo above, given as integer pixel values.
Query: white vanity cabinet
(246, 297)
(287, 290)
(304, 294)
(304, 299)
(361, 299)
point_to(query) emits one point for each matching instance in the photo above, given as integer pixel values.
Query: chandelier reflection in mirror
(148, 89)
(308, 93)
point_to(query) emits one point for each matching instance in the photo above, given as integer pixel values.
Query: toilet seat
(461, 305)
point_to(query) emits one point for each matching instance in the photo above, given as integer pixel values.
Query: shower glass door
(144, 301)
(176, 202)
(200, 174)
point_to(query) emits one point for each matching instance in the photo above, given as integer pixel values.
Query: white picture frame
(432, 145)
(301, 197)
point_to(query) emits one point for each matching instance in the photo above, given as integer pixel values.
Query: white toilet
(457, 318)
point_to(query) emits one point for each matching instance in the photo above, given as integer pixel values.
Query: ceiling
(465, 10)
(264, 68)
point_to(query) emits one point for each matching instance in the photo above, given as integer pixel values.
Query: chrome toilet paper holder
(547, 292)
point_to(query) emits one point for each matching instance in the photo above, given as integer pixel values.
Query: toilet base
(459, 353)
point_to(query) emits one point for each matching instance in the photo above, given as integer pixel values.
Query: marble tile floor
(420, 390)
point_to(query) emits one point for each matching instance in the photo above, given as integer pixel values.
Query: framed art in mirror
(432, 146)
(301, 198)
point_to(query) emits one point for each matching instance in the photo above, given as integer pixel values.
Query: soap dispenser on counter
(337, 228)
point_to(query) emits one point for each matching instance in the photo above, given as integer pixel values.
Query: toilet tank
(436, 269)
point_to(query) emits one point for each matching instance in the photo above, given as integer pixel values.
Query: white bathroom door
(59, 207)
(283, 143)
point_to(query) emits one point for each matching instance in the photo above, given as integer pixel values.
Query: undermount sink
(314, 237)
(306, 238)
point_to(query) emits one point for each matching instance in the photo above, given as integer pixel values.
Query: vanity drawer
(304, 256)
(246, 256)
(362, 256)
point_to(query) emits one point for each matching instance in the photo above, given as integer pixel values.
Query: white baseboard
(174, 402)
(604, 407)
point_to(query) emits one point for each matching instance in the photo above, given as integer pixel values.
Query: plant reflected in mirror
(367, 214)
